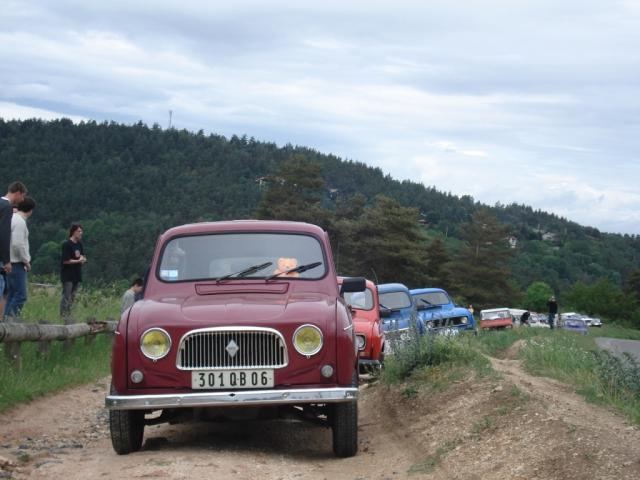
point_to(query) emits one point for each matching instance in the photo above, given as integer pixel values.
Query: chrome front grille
(231, 348)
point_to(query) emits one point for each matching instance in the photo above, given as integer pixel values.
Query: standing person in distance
(553, 310)
(72, 259)
(131, 295)
(15, 194)
(20, 259)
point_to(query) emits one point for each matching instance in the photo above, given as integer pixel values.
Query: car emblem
(232, 348)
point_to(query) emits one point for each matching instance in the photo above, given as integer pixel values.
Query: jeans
(69, 290)
(17, 290)
(552, 316)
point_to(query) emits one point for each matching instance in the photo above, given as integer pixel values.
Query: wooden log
(44, 346)
(30, 332)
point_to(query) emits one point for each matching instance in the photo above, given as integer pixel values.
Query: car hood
(200, 311)
(444, 311)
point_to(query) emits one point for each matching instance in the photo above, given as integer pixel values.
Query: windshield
(395, 300)
(360, 300)
(229, 256)
(424, 300)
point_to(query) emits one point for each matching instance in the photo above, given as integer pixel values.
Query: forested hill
(126, 184)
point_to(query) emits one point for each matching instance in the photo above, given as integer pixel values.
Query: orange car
(365, 308)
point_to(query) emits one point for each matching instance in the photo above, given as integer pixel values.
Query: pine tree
(481, 269)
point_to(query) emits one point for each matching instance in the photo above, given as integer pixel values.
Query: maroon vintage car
(237, 315)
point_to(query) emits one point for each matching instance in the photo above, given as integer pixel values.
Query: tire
(345, 429)
(127, 429)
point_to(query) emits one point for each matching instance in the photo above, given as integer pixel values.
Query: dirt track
(476, 429)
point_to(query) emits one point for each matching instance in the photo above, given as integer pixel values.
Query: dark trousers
(69, 290)
(552, 317)
(17, 290)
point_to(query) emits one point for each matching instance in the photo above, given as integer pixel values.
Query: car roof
(491, 310)
(418, 291)
(392, 287)
(243, 226)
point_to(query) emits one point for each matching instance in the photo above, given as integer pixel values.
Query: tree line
(128, 183)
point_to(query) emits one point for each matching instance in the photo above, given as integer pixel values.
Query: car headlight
(361, 342)
(155, 343)
(307, 340)
(464, 320)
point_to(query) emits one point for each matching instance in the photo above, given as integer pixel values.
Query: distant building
(549, 237)
(513, 241)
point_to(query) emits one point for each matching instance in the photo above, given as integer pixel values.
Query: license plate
(230, 379)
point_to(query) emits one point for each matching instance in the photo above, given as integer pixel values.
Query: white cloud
(529, 102)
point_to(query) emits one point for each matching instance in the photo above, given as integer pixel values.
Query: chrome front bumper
(231, 398)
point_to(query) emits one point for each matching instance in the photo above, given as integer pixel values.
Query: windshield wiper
(426, 301)
(300, 269)
(245, 272)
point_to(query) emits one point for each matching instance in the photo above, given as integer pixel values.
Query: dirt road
(512, 427)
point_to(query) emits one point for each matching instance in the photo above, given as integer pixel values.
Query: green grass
(44, 304)
(39, 376)
(574, 359)
(431, 462)
(81, 364)
(431, 355)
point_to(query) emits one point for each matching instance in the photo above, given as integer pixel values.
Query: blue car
(439, 313)
(397, 309)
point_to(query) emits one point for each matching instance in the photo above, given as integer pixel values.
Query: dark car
(238, 315)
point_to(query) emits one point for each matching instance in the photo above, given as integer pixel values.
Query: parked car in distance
(397, 309)
(495, 318)
(589, 321)
(239, 320)
(574, 323)
(539, 320)
(439, 313)
(368, 327)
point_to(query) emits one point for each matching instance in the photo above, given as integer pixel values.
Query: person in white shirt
(20, 259)
(15, 194)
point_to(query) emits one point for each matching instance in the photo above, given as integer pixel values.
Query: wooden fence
(14, 334)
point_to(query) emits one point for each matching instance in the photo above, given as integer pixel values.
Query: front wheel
(127, 428)
(345, 429)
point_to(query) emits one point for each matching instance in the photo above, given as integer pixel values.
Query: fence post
(90, 338)
(67, 344)
(13, 354)
(44, 346)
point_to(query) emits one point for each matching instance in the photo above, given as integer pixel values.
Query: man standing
(129, 297)
(72, 260)
(20, 259)
(553, 309)
(15, 194)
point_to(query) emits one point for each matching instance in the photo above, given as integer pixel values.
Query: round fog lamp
(155, 343)
(307, 340)
(326, 371)
(361, 342)
(137, 376)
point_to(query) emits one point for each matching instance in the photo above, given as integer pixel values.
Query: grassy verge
(81, 364)
(575, 360)
(44, 304)
(434, 360)
(39, 376)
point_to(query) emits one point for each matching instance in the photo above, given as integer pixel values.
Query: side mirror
(353, 284)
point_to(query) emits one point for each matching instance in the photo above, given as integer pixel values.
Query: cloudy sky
(534, 102)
